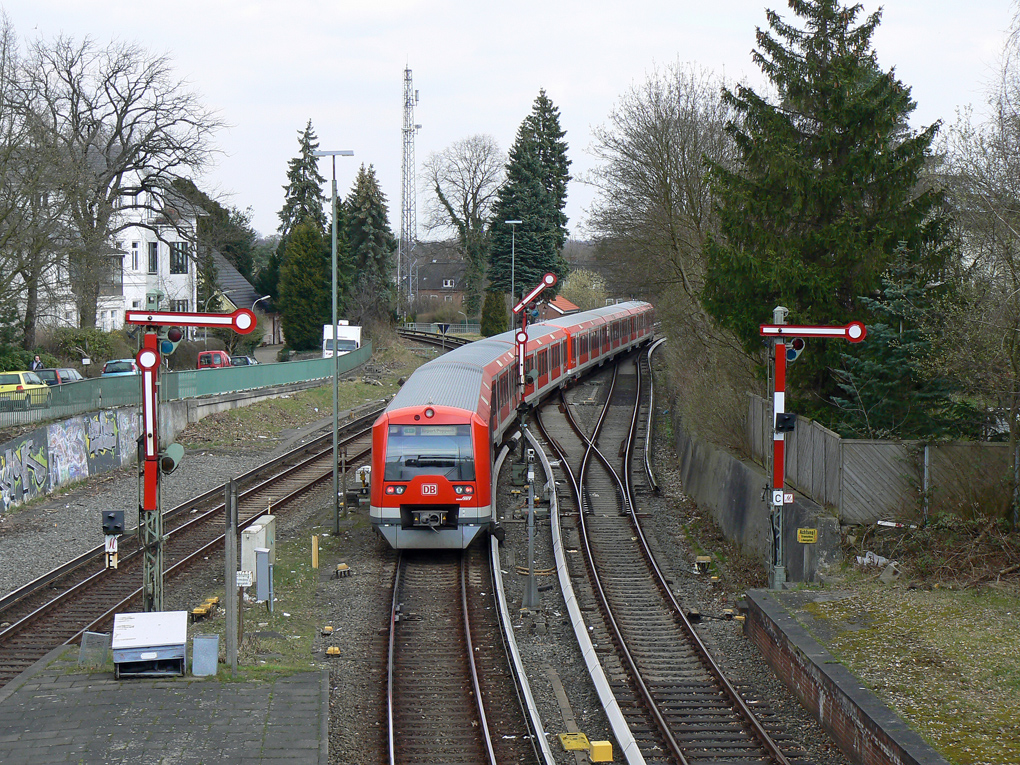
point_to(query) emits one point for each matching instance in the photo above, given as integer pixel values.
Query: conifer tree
(825, 189)
(303, 193)
(535, 193)
(494, 314)
(889, 388)
(305, 286)
(371, 242)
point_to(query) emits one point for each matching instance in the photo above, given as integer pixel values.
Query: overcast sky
(268, 66)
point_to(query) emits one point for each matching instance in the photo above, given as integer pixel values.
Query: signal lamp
(171, 458)
(794, 348)
(169, 342)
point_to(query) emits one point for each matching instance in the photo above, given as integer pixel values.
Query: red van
(213, 359)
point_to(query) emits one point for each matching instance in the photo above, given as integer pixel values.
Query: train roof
(597, 314)
(432, 383)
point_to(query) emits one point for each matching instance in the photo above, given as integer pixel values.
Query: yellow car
(23, 390)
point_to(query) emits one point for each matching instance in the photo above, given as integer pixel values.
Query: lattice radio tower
(408, 207)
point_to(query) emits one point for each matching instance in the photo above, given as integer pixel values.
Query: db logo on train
(430, 488)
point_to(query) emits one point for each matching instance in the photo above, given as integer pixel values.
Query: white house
(152, 263)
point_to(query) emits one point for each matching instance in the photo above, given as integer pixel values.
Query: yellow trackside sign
(807, 536)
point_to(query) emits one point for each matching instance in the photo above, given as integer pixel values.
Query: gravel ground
(38, 537)
(44, 534)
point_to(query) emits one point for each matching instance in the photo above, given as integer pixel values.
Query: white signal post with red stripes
(522, 335)
(531, 596)
(854, 332)
(150, 521)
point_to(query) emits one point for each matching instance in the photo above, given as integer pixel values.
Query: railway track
(450, 694)
(679, 706)
(443, 342)
(83, 595)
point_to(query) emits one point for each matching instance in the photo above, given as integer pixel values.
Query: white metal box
(149, 644)
(251, 537)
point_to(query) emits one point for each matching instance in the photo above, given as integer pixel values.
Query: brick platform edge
(865, 729)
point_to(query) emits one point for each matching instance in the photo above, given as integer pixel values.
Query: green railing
(110, 392)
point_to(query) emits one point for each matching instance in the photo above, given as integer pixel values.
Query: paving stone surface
(57, 713)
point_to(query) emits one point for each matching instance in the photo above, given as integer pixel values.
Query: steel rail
(617, 721)
(651, 415)
(702, 650)
(391, 651)
(89, 556)
(191, 523)
(472, 664)
(651, 704)
(182, 564)
(540, 744)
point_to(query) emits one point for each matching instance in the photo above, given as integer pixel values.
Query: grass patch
(281, 642)
(258, 425)
(948, 662)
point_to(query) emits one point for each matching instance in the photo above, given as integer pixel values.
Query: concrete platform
(55, 713)
(861, 725)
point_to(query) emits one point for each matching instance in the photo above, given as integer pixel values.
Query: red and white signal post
(153, 461)
(783, 423)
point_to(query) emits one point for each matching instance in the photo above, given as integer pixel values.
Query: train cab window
(444, 450)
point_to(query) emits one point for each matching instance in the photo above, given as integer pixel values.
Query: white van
(348, 338)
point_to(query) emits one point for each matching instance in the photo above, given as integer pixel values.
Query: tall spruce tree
(370, 239)
(535, 193)
(825, 189)
(305, 286)
(303, 200)
(303, 193)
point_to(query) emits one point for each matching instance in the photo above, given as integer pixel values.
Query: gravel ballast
(44, 534)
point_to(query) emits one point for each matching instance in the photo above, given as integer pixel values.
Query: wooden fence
(868, 480)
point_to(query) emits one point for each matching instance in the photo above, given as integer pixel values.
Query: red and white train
(433, 446)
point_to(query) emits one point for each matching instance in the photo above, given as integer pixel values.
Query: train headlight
(430, 412)
(391, 489)
(464, 489)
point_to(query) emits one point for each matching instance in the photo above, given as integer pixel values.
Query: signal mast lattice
(408, 206)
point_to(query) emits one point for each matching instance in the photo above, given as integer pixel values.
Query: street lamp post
(217, 293)
(336, 356)
(465, 320)
(264, 297)
(513, 243)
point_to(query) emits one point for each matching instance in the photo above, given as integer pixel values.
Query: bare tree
(463, 179)
(125, 128)
(981, 341)
(653, 193)
(585, 289)
(651, 217)
(30, 215)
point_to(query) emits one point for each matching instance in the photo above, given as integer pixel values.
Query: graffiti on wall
(24, 472)
(68, 461)
(127, 434)
(101, 441)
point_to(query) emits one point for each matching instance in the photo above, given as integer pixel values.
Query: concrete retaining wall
(732, 490)
(71, 450)
(864, 728)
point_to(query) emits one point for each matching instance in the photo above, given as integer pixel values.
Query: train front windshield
(413, 450)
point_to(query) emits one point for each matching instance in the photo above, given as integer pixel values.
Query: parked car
(213, 359)
(120, 367)
(59, 376)
(242, 361)
(23, 390)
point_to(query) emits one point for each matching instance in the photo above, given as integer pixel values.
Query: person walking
(37, 363)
